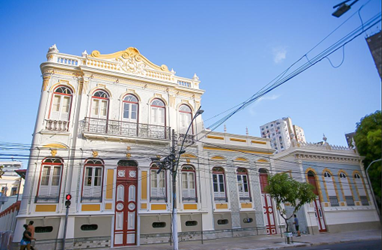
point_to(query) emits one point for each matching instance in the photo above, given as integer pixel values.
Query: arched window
(50, 180)
(92, 180)
(346, 189)
(243, 184)
(188, 184)
(185, 117)
(330, 189)
(361, 191)
(158, 190)
(130, 108)
(219, 185)
(158, 112)
(61, 102)
(100, 104)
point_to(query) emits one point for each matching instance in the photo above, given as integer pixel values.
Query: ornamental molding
(327, 158)
(131, 61)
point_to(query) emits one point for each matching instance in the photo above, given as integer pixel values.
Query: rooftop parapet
(129, 61)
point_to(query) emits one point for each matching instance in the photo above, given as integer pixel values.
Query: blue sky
(235, 47)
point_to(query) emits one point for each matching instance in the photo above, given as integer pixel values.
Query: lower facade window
(92, 182)
(333, 201)
(218, 179)
(158, 185)
(364, 201)
(188, 184)
(50, 180)
(349, 200)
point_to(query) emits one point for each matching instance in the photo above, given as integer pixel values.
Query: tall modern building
(282, 132)
(374, 43)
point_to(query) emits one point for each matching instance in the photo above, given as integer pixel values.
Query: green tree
(284, 189)
(368, 140)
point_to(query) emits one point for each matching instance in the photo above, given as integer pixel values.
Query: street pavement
(268, 242)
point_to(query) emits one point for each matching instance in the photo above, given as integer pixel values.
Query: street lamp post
(371, 188)
(174, 172)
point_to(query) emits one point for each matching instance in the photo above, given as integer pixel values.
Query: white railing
(325, 146)
(67, 61)
(53, 125)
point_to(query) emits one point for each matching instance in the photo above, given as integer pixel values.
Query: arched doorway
(125, 222)
(318, 211)
(269, 217)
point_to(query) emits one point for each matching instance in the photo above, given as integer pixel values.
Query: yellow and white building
(101, 119)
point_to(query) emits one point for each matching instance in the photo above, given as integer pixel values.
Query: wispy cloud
(279, 54)
(252, 109)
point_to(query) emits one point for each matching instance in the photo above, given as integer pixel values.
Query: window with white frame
(157, 184)
(219, 186)
(346, 189)
(50, 180)
(99, 106)
(185, 117)
(92, 180)
(188, 184)
(243, 184)
(157, 112)
(361, 190)
(60, 110)
(330, 189)
(130, 108)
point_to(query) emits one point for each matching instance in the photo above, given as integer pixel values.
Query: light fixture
(342, 8)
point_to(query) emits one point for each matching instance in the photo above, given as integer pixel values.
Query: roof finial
(324, 138)
(195, 78)
(225, 129)
(246, 130)
(53, 48)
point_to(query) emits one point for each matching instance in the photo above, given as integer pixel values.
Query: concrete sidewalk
(270, 241)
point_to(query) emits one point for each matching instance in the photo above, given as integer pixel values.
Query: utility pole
(174, 207)
(171, 163)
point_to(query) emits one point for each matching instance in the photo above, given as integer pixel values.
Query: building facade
(282, 132)
(104, 120)
(101, 121)
(10, 180)
(344, 201)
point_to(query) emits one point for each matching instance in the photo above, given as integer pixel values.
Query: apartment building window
(61, 102)
(50, 180)
(243, 184)
(219, 185)
(158, 191)
(92, 180)
(188, 184)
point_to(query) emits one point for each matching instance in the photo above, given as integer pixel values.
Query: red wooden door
(269, 217)
(125, 222)
(318, 211)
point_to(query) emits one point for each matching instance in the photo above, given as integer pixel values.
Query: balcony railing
(125, 129)
(54, 125)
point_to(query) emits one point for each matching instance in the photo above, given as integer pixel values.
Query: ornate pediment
(131, 61)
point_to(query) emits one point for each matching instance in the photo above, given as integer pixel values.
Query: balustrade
(54, 125)
(125, 129)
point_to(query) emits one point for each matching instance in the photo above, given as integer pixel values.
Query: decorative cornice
(130, 54)
(330, 158)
